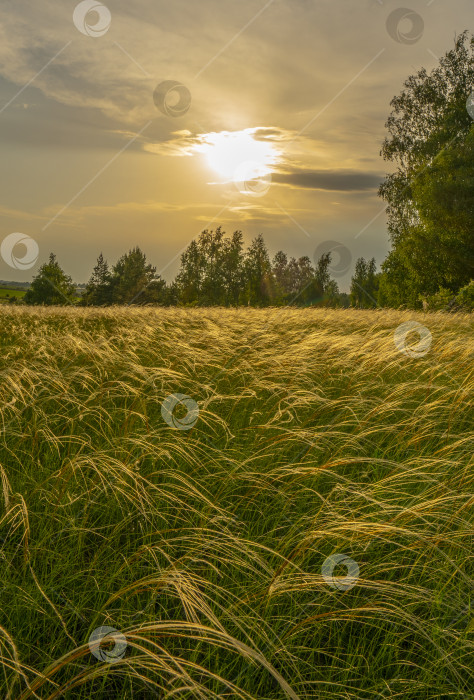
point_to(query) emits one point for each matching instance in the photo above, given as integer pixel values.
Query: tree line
(216, 270)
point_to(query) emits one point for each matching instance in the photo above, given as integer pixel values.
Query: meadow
(7, 293)
(299, 527)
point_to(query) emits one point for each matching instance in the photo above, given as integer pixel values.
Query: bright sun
(228, 151)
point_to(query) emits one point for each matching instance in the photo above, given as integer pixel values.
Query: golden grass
(204, 547)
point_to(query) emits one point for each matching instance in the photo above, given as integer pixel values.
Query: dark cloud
(272, 133)
(334, 180)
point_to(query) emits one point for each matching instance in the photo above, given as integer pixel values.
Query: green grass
(6, 293)
(204, 547)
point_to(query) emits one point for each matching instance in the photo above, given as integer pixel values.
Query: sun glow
(228, 151)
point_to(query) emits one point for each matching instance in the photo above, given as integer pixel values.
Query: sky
(145, 122)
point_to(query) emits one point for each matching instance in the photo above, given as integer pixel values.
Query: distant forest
(430, 208)
(216, 270)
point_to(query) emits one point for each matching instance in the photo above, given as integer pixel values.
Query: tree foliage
(51, 286)
(131, 281)
(429, 205)
(216, 270)
(211, 270)
(444, 198)
(98, 289)
(365, 284)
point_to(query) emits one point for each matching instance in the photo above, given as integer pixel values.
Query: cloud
(18, 215)
(179, 144)
(333, 180)
(75, 216)
(273, 133)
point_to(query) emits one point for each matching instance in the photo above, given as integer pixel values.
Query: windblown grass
(204, 547)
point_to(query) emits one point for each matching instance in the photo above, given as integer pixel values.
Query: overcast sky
(96, 158)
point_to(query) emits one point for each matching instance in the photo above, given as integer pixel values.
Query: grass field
(207, 537)
(6, 293)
